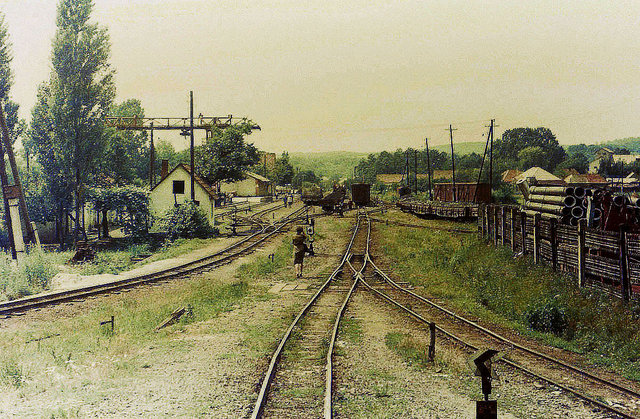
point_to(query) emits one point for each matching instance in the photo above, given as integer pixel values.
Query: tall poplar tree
(68, 133)
(15, 126)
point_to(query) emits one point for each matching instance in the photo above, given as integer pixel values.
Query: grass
(351, 330)
(489, 283)
(412, 351)
(83, 341)
(33, 274)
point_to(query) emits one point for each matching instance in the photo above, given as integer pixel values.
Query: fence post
(503, 225)
(523, 231)
(553, 228)
(582, 250)
(624, 265)
(536, 238)
(513, 229)
(495, 225)
(481, 218)
(486, 219)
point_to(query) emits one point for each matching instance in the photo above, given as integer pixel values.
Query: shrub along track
(238, 249)
(620, 399)
(300, 371)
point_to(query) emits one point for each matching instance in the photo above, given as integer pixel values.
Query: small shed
(252, 185)
(174, 189)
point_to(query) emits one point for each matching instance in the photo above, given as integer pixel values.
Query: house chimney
(164, 171)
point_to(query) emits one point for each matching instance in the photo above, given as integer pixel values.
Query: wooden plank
(172, 318)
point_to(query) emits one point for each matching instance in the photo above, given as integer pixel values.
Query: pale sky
(363, 75)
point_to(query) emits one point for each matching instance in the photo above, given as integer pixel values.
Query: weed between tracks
(489, 283)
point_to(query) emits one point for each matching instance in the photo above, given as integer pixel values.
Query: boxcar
(361, 194)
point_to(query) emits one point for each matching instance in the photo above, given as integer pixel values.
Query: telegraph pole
(453, 163)
(484, 156)
(22, 203)
(491, 158)
(152, 158)
(193, 169)
(415, 171)
(5, 200)
(426, 140)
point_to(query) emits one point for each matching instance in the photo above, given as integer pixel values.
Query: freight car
(331, 202)
(361, 194)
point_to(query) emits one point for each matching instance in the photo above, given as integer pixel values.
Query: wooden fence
(600, 259)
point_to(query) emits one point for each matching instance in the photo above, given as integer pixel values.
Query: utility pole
(484, 156)
(152, 159)
(491, 160)
(415, 171)
(5, 200)
(22, 203)
(426, 140)
(193, 169)
(453, 163)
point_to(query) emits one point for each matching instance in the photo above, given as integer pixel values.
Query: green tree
(16, 126)
(225, 156)
(577, 161)
(126, 156)
(513, 141)
(304, 176)
(283, 170)
(531, 157)
(68, 117)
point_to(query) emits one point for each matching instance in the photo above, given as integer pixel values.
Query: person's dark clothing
(298, 248)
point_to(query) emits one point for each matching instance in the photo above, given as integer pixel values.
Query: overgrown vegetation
(32, 275)
(186, 220)
(490, 283)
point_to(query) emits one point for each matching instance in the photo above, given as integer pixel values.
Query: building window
(178, 186)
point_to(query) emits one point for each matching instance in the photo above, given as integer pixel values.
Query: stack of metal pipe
(571, 204)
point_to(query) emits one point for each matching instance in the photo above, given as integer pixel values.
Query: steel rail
(218, 258)
(507, 340)
(358, 275)
(513, 364)
(275, 358)
(509, 362)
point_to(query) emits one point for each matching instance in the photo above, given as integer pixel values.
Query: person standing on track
(290, 200)
(298, 251)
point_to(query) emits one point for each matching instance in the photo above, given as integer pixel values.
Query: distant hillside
(461, 148)
(333, 164)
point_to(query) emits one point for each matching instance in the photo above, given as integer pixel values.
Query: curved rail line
(612, 386)
(226, 255)
(268, 381)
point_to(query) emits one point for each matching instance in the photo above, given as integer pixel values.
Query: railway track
(608, 394)
(236, 208)
(240, 248)
(298, 381)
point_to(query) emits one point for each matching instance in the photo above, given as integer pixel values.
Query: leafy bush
(186, 220)
(547, 316)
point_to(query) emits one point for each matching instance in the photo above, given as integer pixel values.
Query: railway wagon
(361, 194)
(464, 192)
